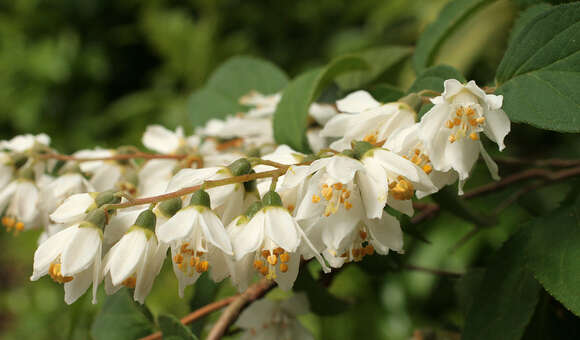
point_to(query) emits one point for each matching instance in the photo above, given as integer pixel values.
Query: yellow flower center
(267, 260)
(190, 261)
(421, 159)
(55, 274)
(334, 195)
(464, 123)
(11, 223)
(401, 189)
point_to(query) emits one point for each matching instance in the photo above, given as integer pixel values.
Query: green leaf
(467, 288)
(552, 321)
(121, 318)
(539, 75)
(526, 17)
(236, 77)
(554, 254)
(172, 327)
(321, 301)
(386, 93)
(433, 78)
(449, 19)
(291, 115)
(507, 297)
(379, 60)
(449, 201)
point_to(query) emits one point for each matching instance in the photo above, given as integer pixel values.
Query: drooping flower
(76, 207)
(365, 119)
(226, 200)
(267, 319)
(197, 238)
(136, 259)
(394, 177)
(104, 174)
(19, 200)
(450, 131)
(26, 142)
(276, 242)
(73, 257)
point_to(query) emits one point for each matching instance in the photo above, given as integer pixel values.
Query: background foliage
(98, 72)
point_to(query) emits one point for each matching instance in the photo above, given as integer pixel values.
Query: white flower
(6, 169)
(370, 235)
(264, 105)
(283, 155)
(136, 259)
(154, 176)
(164, 141)
(20, 199)
(76, 207)
(394, 178)
(62, 187)
(252, 131)
(366, 120)
(450, 130)
(266, 319)
(104, 174)
(73, 257)
(226, 200)
(276, 242)
(22, 143)
(406, 142)
(197, 238)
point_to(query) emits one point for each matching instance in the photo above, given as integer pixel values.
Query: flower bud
(26, 173)
(360, 148)
(348, 153)
(200, 197)
(107, 197)
(146, 220)
(272, 199)
(240, 167)
(19, 159)
(253, 209)
(170, 207)
(251, 186)
(96, 219)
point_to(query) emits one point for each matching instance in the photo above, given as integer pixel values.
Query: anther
(315, 198)
(265, 253)
(451, 139)
(474, 136)
(449, 124)
(272, 259)
(284, 258)
(427, 168)
(363, 234)
(258, 264)
(283, 267)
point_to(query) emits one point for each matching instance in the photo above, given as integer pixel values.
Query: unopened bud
(253, 209)
(146, 219)
(251, 186)
(26, 173)
(272, 199)
(96, 218)
(107, 197)
(170, 207)
(200, 197)
(360, 148)
(240, 167)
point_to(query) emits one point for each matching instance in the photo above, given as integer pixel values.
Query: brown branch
(230, 315)
(428, 210)
(117, 157)
(189, 318)
(549, 176)
(553, 162)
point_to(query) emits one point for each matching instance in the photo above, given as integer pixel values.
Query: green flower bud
(272, 199)
(309, 158)
(96, 218)
(26, 173)
(253, 209)
(19, 159)
(348, 153)
(360, 148)
(251, 186)
(200, 197)
(240, 167)
(107, 197)
(146, 220)
(170, 207)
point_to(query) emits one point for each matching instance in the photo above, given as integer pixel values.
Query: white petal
(321, 113)
(6, 194)
(118, 226)
(214, 231)
(342, 168)
(356, 102)
(385, 234)
(149, 268)
(26, 198)
(97, 277)
(160, 139)
(286, 280)
(250, 237)
(81, 251)
(337, 125)
(190, 177)
(432, 122)
(493, 102)
(105, 177)
(281, 228)
(127, 256)
(73, 209)
(78, 286)
(49, 250)
(491, 165)
(452, 87)
(178, 226)
(404, 206)
(462, 155)
(497, 126)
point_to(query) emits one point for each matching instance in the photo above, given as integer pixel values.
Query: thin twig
(231, 313)
(189, 318)
(428, 210)
(117, 157)
(553, 162)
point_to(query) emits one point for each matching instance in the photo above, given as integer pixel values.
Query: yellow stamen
(315, 198)
(427, 168)
(284, 258)
(272, 259)
(474, 136)
(283, 267)
(452, 139)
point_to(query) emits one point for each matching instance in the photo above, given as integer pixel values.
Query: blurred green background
(97, 72)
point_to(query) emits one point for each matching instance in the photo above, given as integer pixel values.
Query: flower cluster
(229, 202)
